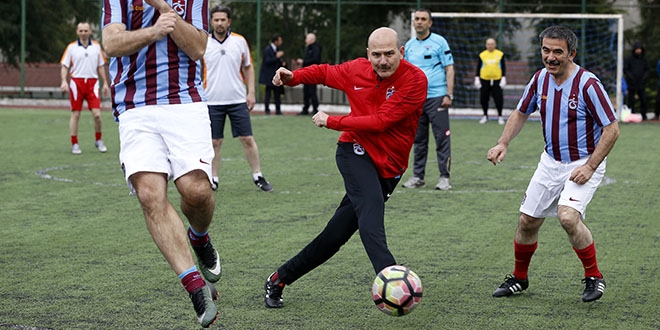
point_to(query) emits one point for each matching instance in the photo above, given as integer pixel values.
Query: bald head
(384, 51)
(491, 44)
(383, 35)
(310, 38)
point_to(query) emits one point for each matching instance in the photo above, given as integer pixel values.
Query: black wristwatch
(450, 96)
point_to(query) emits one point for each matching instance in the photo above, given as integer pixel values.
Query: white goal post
(600, 49)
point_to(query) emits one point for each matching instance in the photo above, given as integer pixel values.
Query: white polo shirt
(83, 62)
(223, 76)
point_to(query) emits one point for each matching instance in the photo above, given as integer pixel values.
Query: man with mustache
(580, 128)
(386, 94)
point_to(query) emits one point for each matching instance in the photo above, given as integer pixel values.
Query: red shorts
(84, 89)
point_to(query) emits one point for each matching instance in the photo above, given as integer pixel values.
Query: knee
(529, 224)
(197, 195)
(569, 218)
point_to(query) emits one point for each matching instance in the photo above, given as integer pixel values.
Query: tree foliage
(51, 25)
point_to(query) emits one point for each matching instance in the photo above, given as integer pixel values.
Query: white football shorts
(550, 187)
(173, 139)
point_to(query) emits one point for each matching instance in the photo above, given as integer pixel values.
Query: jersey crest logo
(572, 102)
(358, 149)
(389, 92)
(179, 7)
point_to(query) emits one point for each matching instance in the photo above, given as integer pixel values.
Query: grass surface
(75, 252)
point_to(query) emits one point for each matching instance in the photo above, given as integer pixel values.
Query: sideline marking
(44, 174)
(23, 327)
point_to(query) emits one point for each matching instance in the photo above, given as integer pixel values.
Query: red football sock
(97, 135)
(588, 258)
(74, 139)
(523, 255)
(195, 240)
(193, 281)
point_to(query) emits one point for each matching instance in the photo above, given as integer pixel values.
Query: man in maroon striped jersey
(580, 128)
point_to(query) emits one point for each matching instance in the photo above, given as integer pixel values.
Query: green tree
(51, 25)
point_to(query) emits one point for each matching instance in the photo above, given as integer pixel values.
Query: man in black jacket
(312, 56)
(636, 71)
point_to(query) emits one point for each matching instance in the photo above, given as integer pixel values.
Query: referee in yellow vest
(490, 78)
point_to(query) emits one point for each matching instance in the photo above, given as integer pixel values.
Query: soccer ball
(397, 290)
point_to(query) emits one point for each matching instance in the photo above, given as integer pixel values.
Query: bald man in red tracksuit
(386, 97)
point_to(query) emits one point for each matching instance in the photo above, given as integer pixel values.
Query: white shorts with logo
(550, 187)
(173, 139)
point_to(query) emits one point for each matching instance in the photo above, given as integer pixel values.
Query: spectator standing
(228, 70)
(386, 94)
(431, 53)
(490, 78)
(312, 56)
(83, 61)
(580, 128)
(272, 60)
(657, 94)
(636, 71)
(165, 131)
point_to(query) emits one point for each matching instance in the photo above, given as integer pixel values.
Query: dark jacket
(269, 65)
(312, 55)
(636, 69)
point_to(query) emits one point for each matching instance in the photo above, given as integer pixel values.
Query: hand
(446, 103)
(503, 82)
(477, 82)
(582, 174)
(105, 89)
(496, 154)
(282, 76)
(165, 25)
(279, 53)
(320, 119)
(250, 100)
(64, 86)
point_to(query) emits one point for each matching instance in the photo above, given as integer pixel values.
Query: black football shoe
(510, 286)
(274, 292)
(594, 288)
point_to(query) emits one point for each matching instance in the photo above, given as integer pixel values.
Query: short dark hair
(221, 9)
(426, 11)
(561, 32)
(275, 37)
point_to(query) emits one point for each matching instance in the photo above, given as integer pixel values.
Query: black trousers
(641, 93)
(276, 91)
(310, 97)
(657, 104)
(362, 208)
(488, 88)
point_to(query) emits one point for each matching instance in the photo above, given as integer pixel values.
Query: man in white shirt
(84, 62)
(228, 70)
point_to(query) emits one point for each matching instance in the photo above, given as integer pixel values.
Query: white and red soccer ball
(397, 290)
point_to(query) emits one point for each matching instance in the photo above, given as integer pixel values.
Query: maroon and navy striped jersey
(572, 115)
(159, 73)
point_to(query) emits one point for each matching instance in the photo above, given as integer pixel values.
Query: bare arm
(513, 126)
(583, 173)
(64, 74)
(117, 41)
(105, 88)
(248, 73)
(449, 72)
